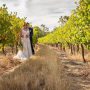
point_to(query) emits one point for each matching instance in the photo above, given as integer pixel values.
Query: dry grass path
(49, 69)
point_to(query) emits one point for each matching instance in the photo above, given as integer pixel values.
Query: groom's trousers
(31, 40)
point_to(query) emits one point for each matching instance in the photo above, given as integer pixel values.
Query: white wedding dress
(26, 53)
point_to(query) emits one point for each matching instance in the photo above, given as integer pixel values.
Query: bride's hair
(27, 23)
(24, 24)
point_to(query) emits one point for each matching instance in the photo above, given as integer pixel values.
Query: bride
(26, 52)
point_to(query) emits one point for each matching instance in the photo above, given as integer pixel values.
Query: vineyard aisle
(52, 64)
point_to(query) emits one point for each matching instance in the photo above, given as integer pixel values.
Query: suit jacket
(31, 32)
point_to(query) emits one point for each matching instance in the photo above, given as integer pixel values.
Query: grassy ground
(44, 71)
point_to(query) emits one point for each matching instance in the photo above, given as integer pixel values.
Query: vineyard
(54, 66)
(10, 28)
(74, 33)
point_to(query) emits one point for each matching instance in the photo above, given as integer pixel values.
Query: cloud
(41, 11)
(45, 7)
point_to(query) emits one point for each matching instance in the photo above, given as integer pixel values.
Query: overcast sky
(41, 11)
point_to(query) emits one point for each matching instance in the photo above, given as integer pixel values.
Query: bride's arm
(21, 35)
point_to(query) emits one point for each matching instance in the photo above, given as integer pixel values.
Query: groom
(31, 39)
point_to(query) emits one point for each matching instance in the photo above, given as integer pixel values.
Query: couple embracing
(26, 40)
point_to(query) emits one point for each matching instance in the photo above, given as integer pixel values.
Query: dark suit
(31, 39)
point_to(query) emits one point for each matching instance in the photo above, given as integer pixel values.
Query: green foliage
(37, 34)
(10, 26)
(75, 31)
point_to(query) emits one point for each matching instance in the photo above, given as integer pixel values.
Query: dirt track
(77, 70)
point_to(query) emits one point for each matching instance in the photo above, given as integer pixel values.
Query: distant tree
(44, 28)
(63, 20)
